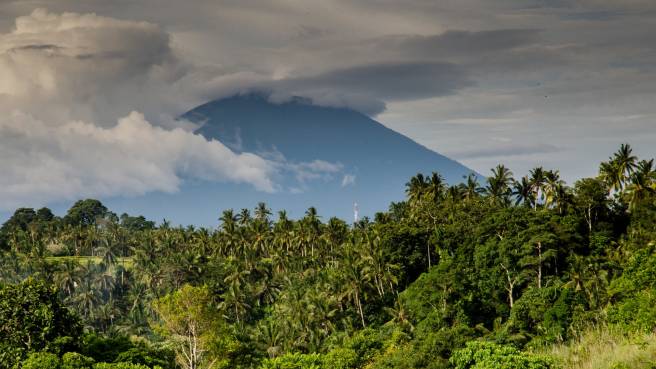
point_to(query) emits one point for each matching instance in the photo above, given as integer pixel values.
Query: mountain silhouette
(329, 158)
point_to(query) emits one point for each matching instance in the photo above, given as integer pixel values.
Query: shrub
(488, 355)
(635, 313)
(291, 361)
(119, 366)
(41, 360)
(32, 319)
(341, 358)
(73, 360)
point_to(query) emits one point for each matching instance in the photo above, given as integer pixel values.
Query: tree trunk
(589, 219)
(539, 264)
(511, 285)
(357, 300)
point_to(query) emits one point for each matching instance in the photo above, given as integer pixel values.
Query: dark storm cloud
(390, 81)
(457, 42)
(38, 47)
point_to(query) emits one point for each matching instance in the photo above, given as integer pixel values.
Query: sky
(90, 89)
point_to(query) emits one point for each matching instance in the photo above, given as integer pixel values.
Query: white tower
(355, 212)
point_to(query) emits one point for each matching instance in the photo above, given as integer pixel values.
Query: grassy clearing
(607, 348)
(82, 260)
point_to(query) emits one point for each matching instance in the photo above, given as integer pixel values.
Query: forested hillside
(518, 272)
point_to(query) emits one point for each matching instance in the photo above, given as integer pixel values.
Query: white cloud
(314, 170)
(73, 84)
(68, 66)
(42, 163)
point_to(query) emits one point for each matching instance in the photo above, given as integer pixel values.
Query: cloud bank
(43, 162)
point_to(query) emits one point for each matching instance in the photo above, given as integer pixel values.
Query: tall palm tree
(108, 251)
(609, 174)
(562, 197)
(416, 188)
(262, 213)
(471, 188)
(625, 161)
(523, 192)
(537, 178)
(312, 224)
(617, 170)
(498, 187)
(67, 277)
(552, 182)
(435, 187)
(641, 183)
(228, 219)
(244, 217)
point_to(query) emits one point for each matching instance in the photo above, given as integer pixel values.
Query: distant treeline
(473, 275)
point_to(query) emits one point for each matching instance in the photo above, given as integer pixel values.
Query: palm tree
(416, 188)
(616, 171)
(87, 298)
(625, 161)
(641, 183)
(228, 219)
(67, 278)
(234, 299)
(244, 217)
(262, 213)
(523, 192)
(400, 315)
(312, 226)
(108, 251)
(562, 197)
(455, 193)
(435, 187)
(498, 187)
(471, 188)
(537, 180)
(355, 275)
(269, 336)
(609, 174)
(552, 182)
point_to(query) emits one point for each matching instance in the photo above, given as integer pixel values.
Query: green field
(127, 262)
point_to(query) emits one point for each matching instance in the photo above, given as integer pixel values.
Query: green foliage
(428, 349)
(342, 358)
(193, 326)
(633, 292)
(147, 356)
(635, 313)
(32, 318)
(294, 361)
(543, 314)
(488, 355)
(41, 360)
(86, 212)
(74, 360)
(119, 366)
(104, 348)
(136, 223)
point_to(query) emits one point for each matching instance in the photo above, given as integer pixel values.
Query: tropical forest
(512, 270)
